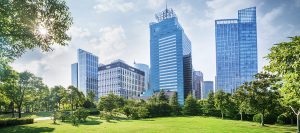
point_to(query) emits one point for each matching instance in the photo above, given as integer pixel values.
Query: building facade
(120, 79)
(236, 50)
(84, 73)
(208, 86)
(170, 56)
(145, 68)
(197, 84)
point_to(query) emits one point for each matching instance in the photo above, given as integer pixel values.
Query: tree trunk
(19, 111)
(298, 122)
(241, 116)
(222, 115)
(12, 110)
(262, 119)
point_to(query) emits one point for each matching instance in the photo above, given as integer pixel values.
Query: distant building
(145, 68)
(208, 86)
(170, 56)
(197, 84)
(84, 73)
(236, 50)
(120, 79)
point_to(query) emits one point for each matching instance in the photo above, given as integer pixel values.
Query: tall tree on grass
(191, 107)
(222, 101)
(240, 99)
(174, 104)
(26, 24)
(284, 61)
(263, 94)
(9, 85)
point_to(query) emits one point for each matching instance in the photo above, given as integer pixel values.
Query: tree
(240, 99)
(284, 60)
(9, 85)
(28, 24)
(174, 104)
(209, 107)
(57, 94)
(110, 103)
(263, 95)
(222, 101)
(191, 106)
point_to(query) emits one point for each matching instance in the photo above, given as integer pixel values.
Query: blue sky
(119, 29)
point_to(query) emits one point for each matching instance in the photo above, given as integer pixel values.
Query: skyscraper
(171, 60)
(145, 68)
(85, 72)
(197, 83)
(208, 86)
(236, 50)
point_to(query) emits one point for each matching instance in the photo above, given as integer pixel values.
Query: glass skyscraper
(170, 59)
(145, 68)
(86, 71)
(236, 50)
(208, 86)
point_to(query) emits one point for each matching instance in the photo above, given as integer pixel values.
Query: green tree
(209, 106)
(222, 101)
(263, 95)
(9, 85)
(110, 103)
(174, 104)
(28, 24)
(284, 61)
(240, 99)
(191, 107)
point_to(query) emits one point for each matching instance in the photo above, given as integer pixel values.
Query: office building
(120, 79)
(84, 73)
(145, 68)
(236, 50)
(197, 84)
(208, 86)
(170, 56)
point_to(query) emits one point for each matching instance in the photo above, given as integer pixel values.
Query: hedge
(15, 121)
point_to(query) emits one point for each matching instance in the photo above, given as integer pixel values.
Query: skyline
(119, 37)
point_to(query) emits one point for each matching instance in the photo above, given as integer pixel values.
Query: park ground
(165, 125)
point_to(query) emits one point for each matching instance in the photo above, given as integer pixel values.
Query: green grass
(165, 125)
(28, 115)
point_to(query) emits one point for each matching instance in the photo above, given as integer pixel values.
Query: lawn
(165, 125)
(28, 115)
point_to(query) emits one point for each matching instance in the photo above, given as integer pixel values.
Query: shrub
(15, 121)
(93, 111)
(268, 118)
(106, 115)
(282, 119)
(142, 112)
(65, 115)
(81, 114)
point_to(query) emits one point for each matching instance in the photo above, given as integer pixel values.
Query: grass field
(28, 115)
(160, 125)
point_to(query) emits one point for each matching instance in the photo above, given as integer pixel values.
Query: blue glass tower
(171, 60)
(87, 67)
(236, 50)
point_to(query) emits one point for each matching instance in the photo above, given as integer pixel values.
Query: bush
(283, 119)
(81, 114)
(106, 115)
(65, 115)
(268, 118)
(93, 111)
(15, 121)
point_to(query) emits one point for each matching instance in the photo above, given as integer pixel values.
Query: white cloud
(78, 32)
(155, 4)
(113, 5)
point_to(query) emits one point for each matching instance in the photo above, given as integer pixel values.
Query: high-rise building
(236, 50)
(84, 73)
(74, 74)
(145, 68)
(171, 60)
(197, 84)
(120, 79)
(208, 86)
